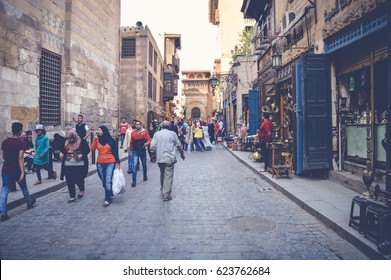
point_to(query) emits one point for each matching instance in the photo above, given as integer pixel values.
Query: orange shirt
(105, 155)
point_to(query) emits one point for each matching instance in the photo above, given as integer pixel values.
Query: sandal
(80, 195)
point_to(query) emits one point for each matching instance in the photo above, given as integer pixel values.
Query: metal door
(253, 106)
(313, 113)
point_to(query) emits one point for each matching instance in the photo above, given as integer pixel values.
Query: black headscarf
(107, 139)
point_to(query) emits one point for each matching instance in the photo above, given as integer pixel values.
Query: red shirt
(264, 132)
(138, 139)
(217, 127)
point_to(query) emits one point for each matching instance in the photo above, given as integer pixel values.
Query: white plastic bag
(118, 181)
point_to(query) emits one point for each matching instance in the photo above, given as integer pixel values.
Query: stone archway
(195, 113)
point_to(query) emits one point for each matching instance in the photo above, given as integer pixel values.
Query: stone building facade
(200, 102)
(227, 16)
(237, 84)
(172, 43)
(141, 86)
(59, 59)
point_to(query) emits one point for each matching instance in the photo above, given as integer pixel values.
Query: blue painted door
(253, 105)
(313, 101)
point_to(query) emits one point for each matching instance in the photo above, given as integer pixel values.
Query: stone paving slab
(324, 199)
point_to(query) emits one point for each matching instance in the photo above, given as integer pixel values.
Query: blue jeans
(105, 172)
(135, 156)
(198, 144)
(130, 160)
(122, 137)
(7, 179)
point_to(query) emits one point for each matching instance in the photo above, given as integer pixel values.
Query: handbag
(118, 182)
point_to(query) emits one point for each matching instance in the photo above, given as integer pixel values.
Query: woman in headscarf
(27, 138)
(74, 166)
(107, 160)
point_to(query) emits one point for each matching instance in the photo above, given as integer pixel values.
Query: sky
(189, 18)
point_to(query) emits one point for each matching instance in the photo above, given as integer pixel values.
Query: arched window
(199, 76)
(195, 113)
(191, 76)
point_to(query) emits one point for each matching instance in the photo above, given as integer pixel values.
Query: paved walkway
(16, 199)
(325, 199)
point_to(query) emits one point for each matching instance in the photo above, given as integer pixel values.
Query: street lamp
(276, 60)
(213, 83)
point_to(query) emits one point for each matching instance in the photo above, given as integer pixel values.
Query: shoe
(38, 183)
(167, 198)
(129, 171)
(106, 203)
(72, 199)
(31, 205)
(121, 147)
(80, 195)
(4, 217)
(145, 178)
(133, 185)
(263, 170)
(54, 175)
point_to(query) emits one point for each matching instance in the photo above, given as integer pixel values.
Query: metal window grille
(128, 47)
(155, 62)
(154, 90)
(50, 88)
(150, 87)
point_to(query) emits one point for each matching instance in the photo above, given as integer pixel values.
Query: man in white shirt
(221, 128)
(164, 143)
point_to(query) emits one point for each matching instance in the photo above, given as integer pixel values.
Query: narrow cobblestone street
(220, 210)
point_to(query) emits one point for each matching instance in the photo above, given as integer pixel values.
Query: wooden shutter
(313, 113)
(253, 105)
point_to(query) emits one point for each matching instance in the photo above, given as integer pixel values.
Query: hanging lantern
(362, 78)
(352, 84)
(276, 60)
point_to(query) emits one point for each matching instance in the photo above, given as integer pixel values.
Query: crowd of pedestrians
(24, 156)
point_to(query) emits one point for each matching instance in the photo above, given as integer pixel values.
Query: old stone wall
(21, 43)
(85, 35)
(92, 63)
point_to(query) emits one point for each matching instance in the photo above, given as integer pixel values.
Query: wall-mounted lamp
(213, 83)
(276, 60)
